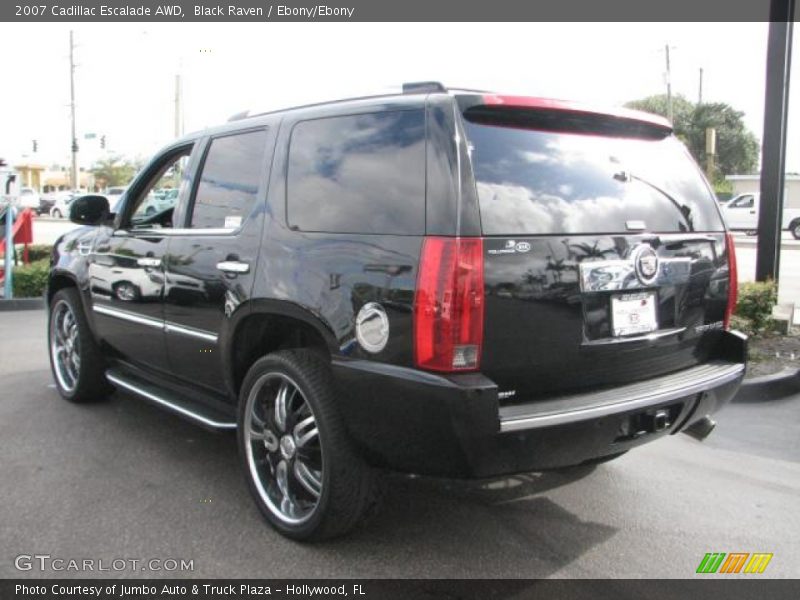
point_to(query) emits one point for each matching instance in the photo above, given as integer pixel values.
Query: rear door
(605, 258)
(212, 256)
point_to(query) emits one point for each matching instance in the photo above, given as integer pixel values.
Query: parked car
(437, 282)
(61, 202)
(28, 198)
(46, 202)
(115, 193)
(742, 213)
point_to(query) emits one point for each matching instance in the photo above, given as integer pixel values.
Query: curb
(21, 304)
(769, 387)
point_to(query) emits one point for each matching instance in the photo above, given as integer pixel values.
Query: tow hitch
(653, 421)
(656, 422)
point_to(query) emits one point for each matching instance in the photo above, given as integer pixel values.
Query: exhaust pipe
(701, 429)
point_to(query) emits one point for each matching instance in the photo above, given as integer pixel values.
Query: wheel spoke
(305, 431)
(280, 405)
(310, 480)
(282, 478)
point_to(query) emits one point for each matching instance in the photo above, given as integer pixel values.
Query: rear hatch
(605, 257)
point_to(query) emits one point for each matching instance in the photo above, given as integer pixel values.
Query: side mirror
(89, 210)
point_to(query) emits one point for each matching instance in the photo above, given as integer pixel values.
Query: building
(30, 175)
(747, 184)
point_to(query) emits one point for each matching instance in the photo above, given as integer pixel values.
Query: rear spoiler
(561, 116)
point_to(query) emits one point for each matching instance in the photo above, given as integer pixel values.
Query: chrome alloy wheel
(283, 448)
(65, 346)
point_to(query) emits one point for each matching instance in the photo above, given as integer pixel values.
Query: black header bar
(180, 11)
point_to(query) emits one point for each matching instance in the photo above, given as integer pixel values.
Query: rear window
(544, 182)
(358, 174)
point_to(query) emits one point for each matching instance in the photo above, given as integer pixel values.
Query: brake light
(733, 280)
(448, 306)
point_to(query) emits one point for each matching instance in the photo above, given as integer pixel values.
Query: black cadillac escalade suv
(460, 284)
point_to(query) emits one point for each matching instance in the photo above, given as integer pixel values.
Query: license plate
(633, 313)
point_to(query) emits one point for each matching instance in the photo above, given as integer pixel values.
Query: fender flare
(267, 307)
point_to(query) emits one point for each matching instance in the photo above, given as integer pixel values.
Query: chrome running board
(195, 412)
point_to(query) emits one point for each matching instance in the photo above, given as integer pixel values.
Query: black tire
(794, 227)
(56, 214)
(349, 488)
(88, 383)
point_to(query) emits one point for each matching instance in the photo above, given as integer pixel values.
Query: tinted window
(537, 182)
(359, 174)
(229, 180)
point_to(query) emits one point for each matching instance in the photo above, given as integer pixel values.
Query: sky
(125, 74)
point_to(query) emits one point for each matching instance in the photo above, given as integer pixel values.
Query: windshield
(540, 182)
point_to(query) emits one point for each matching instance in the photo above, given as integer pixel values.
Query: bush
(30, 280)
(754, 308)
(37, 252)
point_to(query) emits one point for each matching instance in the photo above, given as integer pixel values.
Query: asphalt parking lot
(124, 479)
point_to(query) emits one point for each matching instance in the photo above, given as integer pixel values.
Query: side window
(154, 206)
(226, 192)
(358, 174)
(743, 202)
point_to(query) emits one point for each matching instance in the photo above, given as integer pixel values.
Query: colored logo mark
(734, 562)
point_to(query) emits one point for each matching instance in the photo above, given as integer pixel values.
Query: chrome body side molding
(166, 326)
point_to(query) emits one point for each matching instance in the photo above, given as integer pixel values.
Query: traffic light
(103, 142)
(35, 145)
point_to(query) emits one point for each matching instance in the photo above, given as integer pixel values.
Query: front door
(126, 266)
(741, 213)
(212, 258)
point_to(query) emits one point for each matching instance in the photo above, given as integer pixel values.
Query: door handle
(148, 262)
(752, 212)
(233, 266)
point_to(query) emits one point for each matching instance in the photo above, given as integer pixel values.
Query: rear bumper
(453, 426)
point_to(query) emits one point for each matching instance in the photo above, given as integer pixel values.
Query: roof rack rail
(239, 116)
(423, 87)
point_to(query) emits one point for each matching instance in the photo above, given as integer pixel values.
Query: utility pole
(669, 86)
(700, 88)
(74, 174)
(711, 153)
(178, 115)
(773, 149)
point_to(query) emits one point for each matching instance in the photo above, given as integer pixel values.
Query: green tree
(114, 170)
(737, 146)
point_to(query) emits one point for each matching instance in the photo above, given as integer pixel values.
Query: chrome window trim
(718, 376)
(166, 403)
(178, 231)
(166, 326)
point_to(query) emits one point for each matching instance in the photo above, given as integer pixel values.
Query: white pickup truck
(742, 213)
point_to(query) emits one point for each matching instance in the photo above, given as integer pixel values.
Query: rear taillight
(733, 280)
(448, 306)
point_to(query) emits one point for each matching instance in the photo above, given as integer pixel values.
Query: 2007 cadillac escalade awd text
(460, 284)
